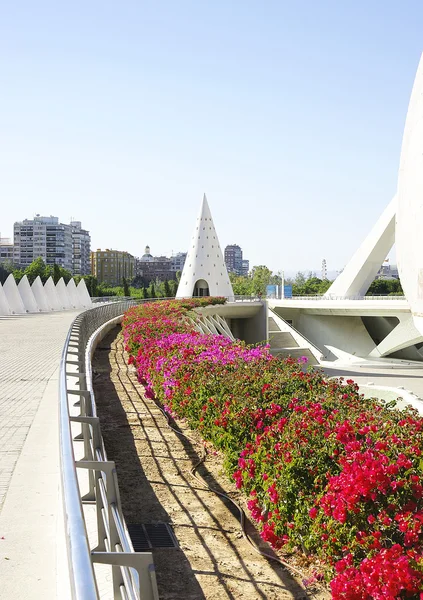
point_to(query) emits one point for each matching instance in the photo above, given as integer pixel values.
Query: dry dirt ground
(213, 560)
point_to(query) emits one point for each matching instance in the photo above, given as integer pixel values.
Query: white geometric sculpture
(73, 294)
(4, 305)
(51, 294)
(83, 295)
(205, 272)
(40, 294)
(62, 294)
(409, 223)
(13, 296)
(359, 273)
(27, 295)
(402, 224)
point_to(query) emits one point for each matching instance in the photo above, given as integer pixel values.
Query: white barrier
(25, 298)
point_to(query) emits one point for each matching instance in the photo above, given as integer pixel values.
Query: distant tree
(166, 289)
(178, 276)
(145, 292)
(56, 273)
(384, 287)
(92, 285)
(300, 279)
(242, 285)
(152, 291)
(36, 269)
(173, 286)
(125, 285)
(18, 274)
(260, 276)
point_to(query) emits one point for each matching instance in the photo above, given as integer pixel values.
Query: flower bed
(325, 470)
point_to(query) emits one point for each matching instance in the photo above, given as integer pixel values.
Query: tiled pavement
(30, 350)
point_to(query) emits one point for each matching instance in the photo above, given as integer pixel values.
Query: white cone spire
(205, 272)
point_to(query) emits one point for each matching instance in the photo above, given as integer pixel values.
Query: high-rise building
(178, 261)
(6, 250)
(233, 259)
(42, 237)
(245, 267)
(81, 249)
(111, 266)
(56, 243)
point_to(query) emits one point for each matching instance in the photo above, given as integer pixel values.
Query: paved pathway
(409, 377)
(30, 351)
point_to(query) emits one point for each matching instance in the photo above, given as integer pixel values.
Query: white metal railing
(132, 572)
(322, 297)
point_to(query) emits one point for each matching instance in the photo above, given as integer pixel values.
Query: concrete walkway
(404, 377)
(32, 562)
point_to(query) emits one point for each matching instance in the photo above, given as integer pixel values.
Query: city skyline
(288, 272)
(291, 123)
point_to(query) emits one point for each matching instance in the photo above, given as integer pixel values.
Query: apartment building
(111, 266)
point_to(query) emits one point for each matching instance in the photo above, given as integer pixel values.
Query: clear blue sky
(289, 115)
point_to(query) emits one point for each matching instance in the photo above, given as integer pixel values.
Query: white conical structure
(410, 204)
(51, 294)
(62, 294)
(205, 272)
(27, 295)
(13, 296)
(40, 295)
(73, 294)
(4, 304)
(83, 295)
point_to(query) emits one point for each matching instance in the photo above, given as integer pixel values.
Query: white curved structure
(205, 272)
(72, 293)
(359, 273)
(40, 294)
(4, 305)
(52, 297)
(23, 298)
(13, 296)
(389, 331)
(409, 223)
(62, 294)
(27, 295)
(83, 295)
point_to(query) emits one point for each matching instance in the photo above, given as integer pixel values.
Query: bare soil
(213, 560)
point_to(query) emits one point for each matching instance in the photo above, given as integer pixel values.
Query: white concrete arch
(13, 296)
(51, 294)
(62, 294)
(361, 270)
(409, 221)
(72, 293)
(40, 295)
(4, 304)
(27, 295)
(205, 261)
(83, 295)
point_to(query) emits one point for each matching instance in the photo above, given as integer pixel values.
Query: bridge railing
(132, 572)
(322, 297)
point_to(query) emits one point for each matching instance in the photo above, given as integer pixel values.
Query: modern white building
(205, 272)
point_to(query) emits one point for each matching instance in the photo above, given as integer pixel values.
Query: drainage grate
(148, 536)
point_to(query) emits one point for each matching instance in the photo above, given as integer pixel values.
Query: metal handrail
(133, 573)
(323, 297)
(81, 570)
